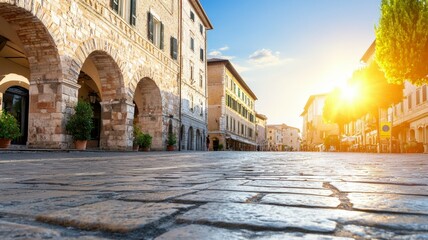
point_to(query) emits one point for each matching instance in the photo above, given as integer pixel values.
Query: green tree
(402, 40)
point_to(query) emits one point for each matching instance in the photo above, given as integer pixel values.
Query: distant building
(261, 132)
(194, 119)
(283, 137)
(231, 111)
(315, 130)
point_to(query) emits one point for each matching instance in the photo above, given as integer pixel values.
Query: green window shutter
(150, 26)
(161, 36)
(174, 48)
(133, 13)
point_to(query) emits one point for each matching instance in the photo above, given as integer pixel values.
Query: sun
(349, 93)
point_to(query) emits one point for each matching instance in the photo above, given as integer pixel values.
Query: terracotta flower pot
(145, 149)
(170, 148)
(5, 143)
(80, 144)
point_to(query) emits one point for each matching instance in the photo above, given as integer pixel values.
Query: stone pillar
(117, 125)
(51, 102)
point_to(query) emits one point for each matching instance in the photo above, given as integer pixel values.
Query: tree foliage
(80, 123)
(402, 40)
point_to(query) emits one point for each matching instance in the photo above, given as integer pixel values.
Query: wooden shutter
(150, 27)
(174, 48)
(161, 36)
(133, 13)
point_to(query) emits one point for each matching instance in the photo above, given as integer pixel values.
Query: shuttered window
(155, 31)
(201, 54)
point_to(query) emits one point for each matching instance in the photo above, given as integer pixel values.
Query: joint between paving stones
(345, 203)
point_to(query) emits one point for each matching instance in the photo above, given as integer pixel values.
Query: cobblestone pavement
(213, 195)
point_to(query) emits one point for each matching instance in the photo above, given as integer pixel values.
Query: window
(114, 4)
(418, 96)
(133, 13)
(424, 93)
(201, 28)
(192, 79)
(201, 53)
(174, 48)
(126, 9)
(409, 101)
(155, 31)
(192, 42)
(191, 103)
(201, 79)
(227, 122)
(192, 16)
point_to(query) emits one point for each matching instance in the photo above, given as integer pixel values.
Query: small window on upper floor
(126, 9)
(201, 54)
(201, 28)
(201, 79)
(192, 15)
(192, 43)
(155, 31)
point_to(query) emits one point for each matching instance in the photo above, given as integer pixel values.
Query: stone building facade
(315, 130)
(261, 132)
(194, 117)
(120, 54)
(231, 108)
(282, 137)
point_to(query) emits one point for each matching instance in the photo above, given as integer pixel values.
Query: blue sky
(287, 50)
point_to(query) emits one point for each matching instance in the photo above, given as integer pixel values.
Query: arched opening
(183, 146)
(198, 140)
(148, 101)
(89, 92)
(28, 51)
(190, 139)
(15, 102)
(412, 135)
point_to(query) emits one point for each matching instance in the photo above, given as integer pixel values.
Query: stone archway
(198, 140)
(28, 49)
(190, 139)
(101, 84)
(148, 100)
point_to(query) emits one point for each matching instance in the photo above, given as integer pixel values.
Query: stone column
(117, 125)
(51, 102)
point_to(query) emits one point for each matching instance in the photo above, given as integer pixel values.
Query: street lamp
(93, 97)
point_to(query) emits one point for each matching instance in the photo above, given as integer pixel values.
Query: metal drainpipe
(180, 17)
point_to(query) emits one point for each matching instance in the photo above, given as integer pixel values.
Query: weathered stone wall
(58, 36)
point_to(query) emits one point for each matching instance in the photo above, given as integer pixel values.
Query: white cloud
(214, 53)
(218, 53)
(265, 57)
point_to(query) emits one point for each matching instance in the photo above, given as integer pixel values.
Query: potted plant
(171, 141)
(144, 141)
(80, 124)
(9, 129)
(137, 133)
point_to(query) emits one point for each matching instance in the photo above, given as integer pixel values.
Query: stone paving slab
(389, 202)
(154, 196)
(10, 230)
(263, 217)
(321, 192)
(300, 200)
(46, 205)
(381, 188)
(197, 232)
(113, 215)
(285, 184)
(268, 217)
(217, 196)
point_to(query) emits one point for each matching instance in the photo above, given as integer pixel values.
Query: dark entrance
(15, 102)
